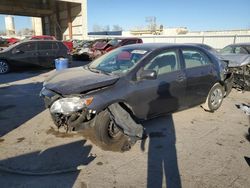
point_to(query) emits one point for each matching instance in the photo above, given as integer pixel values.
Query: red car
(103, 48)
(12, 40)
(43, 37)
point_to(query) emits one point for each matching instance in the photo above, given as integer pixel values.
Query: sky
(196, 15)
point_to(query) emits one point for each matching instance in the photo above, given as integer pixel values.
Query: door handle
(180, 78)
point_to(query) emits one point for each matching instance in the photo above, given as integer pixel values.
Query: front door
(25, 54)
(164, 94)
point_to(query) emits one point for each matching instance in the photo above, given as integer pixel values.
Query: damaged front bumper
(241, 77)
(71, 112)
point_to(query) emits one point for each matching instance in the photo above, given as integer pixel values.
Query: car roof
(240, 44)
(154, 46)
(126, 38)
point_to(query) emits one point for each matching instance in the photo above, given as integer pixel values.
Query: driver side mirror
(17, 51)
(148, 75)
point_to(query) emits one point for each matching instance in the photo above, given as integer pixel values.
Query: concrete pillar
(69, 20)
(37, 25)
(85, 19)
(10, 26)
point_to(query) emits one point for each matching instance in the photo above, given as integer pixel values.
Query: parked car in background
(143, 81)
(3, 44)
(207, 47)
(68, 44)
(12, 40)
(238, 58)
(43, 37)
(85, 51)
(112, 44)
(40, 53)
(238, 48)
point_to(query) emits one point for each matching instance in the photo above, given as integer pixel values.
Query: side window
(163, 63)
(240, 50)
(195, 58)
(54, 46)
(130, 42)
(227, 50)
(27, 47)
(45, 46)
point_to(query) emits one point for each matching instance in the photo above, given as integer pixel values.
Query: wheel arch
(124, 104)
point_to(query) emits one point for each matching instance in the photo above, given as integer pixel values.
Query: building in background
(9, 25)
(64, 19)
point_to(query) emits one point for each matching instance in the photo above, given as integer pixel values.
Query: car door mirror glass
(17, 51)
(147, 75)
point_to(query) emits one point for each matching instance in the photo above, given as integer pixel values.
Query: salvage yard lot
(192, 148)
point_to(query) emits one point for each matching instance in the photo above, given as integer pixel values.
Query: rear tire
(4, 67)
(214, 98)
(110, 136)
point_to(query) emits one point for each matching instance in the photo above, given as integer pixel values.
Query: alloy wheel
(216, 97)
(4, 67)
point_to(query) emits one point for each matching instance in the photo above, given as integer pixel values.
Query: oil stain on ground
(20, 139)
(99, 163)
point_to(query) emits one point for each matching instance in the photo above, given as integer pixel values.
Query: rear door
(24, 54)
(46, 53)
(164, 94)
(201, 75)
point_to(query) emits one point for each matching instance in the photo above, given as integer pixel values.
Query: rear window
(195, 58)
(62, 46)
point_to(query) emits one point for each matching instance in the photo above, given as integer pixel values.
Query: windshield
(118, 61)
(227, 50)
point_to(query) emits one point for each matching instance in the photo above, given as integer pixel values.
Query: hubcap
(216, 98)
(3, 67)
(113, 130)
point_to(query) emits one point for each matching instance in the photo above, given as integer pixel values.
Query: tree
(97, 28)
(106, 28)
(116, 28)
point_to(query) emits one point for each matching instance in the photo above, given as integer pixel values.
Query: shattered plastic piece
(124, 120)
(244, 107)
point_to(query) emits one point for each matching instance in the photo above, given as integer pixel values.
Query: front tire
(4, 67)
(214, 98)
(110, 136)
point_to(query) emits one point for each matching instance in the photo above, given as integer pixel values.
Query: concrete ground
(192, 148)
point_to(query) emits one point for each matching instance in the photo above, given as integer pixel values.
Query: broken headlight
(67, 106)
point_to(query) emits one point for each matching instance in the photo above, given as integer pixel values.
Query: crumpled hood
(78, 80)
(235, 60)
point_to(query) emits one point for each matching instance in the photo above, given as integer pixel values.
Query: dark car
(134, 83)
(32, 52)
(112, 44)
(207, 47)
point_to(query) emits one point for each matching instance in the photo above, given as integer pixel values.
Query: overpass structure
(64, 19)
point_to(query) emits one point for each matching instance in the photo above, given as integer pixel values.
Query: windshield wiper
(97, 70)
